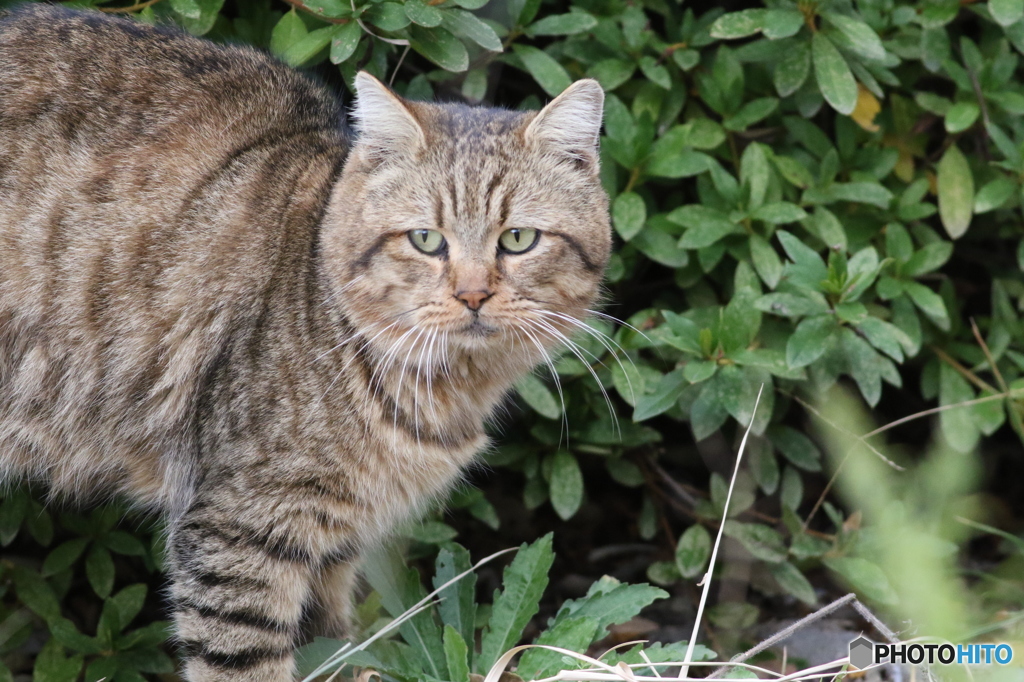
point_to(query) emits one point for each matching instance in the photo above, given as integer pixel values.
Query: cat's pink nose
(473, 299)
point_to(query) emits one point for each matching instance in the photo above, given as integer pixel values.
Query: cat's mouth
(479, 329)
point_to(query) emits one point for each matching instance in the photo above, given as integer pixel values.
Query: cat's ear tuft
(386, 124)
(571, 124)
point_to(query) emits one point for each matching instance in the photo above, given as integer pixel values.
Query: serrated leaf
(628, 214)
(693, 551)
(574, 634)
(834, 77)
(609, 602)
(956, 192)
(549, 74)
(523, 583)
(467, 25)
(457, 606)
(566, 486)
(440, 46)
(456, 654)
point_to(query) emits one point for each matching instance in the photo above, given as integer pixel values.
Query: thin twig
(127, 10)
(963, 371)
(988, 356)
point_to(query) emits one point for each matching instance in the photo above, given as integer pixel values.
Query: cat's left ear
(571, 124)
(386, 124)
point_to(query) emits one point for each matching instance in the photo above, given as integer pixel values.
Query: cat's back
(153, 188)
(116, 76)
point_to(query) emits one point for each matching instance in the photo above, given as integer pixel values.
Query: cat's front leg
(238, 592)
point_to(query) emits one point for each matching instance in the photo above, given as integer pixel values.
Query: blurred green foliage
(803, 193)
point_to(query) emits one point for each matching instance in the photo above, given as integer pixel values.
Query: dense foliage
(804, 193)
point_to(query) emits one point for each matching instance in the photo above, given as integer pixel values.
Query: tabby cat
(215, 301)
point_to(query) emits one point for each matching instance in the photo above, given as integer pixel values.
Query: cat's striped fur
(209, 302)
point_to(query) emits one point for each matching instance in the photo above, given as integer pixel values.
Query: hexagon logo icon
(861, 652)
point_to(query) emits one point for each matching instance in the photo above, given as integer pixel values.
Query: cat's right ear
(387, 126)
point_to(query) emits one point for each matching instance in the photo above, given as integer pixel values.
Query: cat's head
(484, 230)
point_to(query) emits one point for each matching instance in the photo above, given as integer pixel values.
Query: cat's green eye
(430, 242)
(518, 239)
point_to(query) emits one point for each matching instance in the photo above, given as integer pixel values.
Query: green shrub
(804, 193)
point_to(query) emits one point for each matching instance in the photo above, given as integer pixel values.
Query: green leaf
(389, 16)
(796, 447)
(956, 192)
(738, 24)
(52, 666)
(523, 584)
(755, 173)
(432, 532)
(664, 396)
(793, 582)
(770, 360)
(705, 225)
(35, 593)
(837, 84)
(566, 484)
(128, 602)
(567, 24)
(994, 194)
(456, 654)
(610, 602)
(810, 340)
(440, 46)
(766, 260)
(865, 577)
(959, 426)
(792, 71)
(549, 74)
(628, 214)
(457, 606)
(929, 302)
(655, 72)
(466, 25)
(187, 8)
(537, 395)
(1006, 12)
(762, 542)
(99, 569)
(862, 38)
(782, 23)
(423, 14)
(63, 556)
(931, 257)
(693, 551)
(807, 269)
(750, 113)
(779, 212)
(307, 47)
(288, 31)
(659, 245)
(611, 73)
(961, 116)
(345, 41)
(574, 634)
(124, 543)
